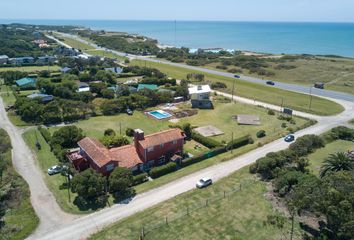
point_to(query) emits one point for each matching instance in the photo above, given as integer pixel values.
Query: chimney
(138, 136)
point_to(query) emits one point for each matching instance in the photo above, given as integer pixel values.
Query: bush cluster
(208, 142)
(140, 178)
(162, 170)
(239, 142)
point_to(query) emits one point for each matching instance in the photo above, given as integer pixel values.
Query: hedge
(162, 170)
(239, 142)
(208, 142)
(45, 133)
(140, 178)
(202, 157)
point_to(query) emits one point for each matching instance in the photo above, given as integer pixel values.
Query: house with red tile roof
(145, 152)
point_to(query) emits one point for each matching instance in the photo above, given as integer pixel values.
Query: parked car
(237, 76)
(129, 111)
(54, 170)
(204, 182)
(270, 83)
(319, 85)
(289, 138)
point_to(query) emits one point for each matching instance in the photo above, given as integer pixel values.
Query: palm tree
(339, 161)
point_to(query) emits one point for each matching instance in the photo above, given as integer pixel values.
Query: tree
(114, 141)
(107, 93)
(336, 162)
(187, 129)
(90, 187)
(109, 132)
(120, 182)
(67, 136)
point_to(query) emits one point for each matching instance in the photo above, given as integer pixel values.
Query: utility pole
(310, 98)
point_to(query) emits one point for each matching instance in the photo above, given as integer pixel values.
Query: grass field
(20, 219)
(259, 92)
(336, 73)
(103, 53)
(316, 159)
(30, 68)
(74, 43)
(241, 215)
(46, 159)
(351, 121)
(220, 117)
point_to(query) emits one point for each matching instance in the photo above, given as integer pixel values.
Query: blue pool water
(159, 114)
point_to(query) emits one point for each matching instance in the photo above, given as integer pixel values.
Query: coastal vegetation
(255, 91)
(17, 217)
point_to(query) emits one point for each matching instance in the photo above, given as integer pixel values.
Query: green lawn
(103, 53)
(336, 73)
(241, 215)
(74, 43)
(220, 117)
(255, 91)
(30, 68)
(21, 219)
(316, 159)
(46, 159)
(7, 95)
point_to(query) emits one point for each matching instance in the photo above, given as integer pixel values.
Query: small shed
(147, 86)
(248, 120)
(27, 82)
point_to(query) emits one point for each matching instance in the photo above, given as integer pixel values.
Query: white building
(200, 96)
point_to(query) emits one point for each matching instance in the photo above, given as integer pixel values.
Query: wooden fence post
(142, 234)
(166, 221)
(206, 202)
(224, 194)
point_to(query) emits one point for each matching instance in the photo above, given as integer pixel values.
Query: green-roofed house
(26, 83)
(147, 86)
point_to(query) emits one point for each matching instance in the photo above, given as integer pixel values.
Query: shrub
(290, 130)
(283, 125)
(138, 179)
(285, 117)
(109, 132)
(162, 170)
(240, 142)
(271, 112)
(261, 134)
(218, 85)
(129, 132)
(292, 121)
(45, 133)
(208, 142)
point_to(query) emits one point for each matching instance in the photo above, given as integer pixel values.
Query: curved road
(281, 85)
(42, 199)
(55, 224)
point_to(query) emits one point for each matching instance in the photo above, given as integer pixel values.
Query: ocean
(265, 37)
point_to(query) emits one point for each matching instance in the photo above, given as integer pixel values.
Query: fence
(166, 221)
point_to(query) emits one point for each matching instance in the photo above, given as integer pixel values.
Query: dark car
(129, 111)
(237, 76)
(289, 138)
(270, 83)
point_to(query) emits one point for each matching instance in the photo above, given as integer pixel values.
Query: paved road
(84, 226)
(281, 85)
(25, 164)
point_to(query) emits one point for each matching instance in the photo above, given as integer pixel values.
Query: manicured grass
(316, 159)
(259, 92)
(103, 53)
(46, 159)
(7, 95)
(336, 73)
(220, 117)
(21, 219)
(241, 215)
(74, 43)
(30, 68)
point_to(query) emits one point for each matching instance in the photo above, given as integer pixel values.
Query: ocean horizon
(319, 38)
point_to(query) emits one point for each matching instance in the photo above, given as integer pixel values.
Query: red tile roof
(95, 150)
(161, 137)
(126, 156)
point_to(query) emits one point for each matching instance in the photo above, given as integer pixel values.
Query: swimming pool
(159, 114)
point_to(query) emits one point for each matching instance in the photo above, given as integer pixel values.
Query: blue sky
(230, 10)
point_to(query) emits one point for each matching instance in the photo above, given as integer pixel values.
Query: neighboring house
(22, 60)
(83, 87)
(66, 51)
(200, 96)
(3, 59)
(147, 86)
(145, 153)
(43, 97)
(116, 70)
(25, 83)
(46, 59)
(65, 70)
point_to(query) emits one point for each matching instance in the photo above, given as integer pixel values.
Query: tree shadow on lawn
(125, 197)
